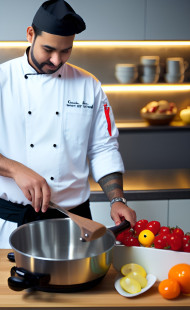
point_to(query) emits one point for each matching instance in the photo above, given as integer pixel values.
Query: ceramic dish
(150, 278)
(148, 259)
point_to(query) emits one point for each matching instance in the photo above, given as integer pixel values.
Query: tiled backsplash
(101, 62)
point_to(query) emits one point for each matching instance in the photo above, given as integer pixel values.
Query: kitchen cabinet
(108, 19)
(17, 15)
(105, 19)
(167, 20)
(179, 214)
(143, 149)
(111, 20)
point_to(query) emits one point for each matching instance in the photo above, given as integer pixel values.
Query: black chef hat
(57, 17)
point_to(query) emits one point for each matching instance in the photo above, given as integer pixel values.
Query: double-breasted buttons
(54, 144)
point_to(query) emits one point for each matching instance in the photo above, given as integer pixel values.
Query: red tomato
(154, 226)
(175, 242)
(124, 235)
(186, 238)
(131, 241)
(164, 230)
(178, 231)
(161, 241)
(186, 243)
(139, 226)
(186, 247)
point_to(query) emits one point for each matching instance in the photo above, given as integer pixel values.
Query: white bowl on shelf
(126, 77)
(125, 68)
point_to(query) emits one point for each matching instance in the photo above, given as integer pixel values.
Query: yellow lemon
(138, 277)
(126, 269)
(146, 237)
(130, 285)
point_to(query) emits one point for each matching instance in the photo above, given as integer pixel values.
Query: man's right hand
(34, 187)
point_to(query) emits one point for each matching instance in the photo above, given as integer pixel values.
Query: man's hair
(37, 31)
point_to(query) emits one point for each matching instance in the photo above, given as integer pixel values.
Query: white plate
(151, 279)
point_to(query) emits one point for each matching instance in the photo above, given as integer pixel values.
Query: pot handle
(18, 284)
(119, 228)
(26, 279)
(11, 256)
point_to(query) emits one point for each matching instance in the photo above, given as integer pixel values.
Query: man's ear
(30, 34)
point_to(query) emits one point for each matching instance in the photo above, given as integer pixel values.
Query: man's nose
(55, 59)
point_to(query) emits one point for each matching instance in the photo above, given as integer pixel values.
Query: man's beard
(40, 66)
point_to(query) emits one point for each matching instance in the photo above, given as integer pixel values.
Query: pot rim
(58, 259)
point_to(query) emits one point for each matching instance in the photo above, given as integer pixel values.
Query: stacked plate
(150, 69)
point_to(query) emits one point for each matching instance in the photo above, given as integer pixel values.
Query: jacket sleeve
(103, 149)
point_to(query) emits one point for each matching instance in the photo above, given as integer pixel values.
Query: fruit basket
(155, 261)
(158, 119)
(159, 113)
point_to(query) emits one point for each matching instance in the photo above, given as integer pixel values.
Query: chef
(56, 124)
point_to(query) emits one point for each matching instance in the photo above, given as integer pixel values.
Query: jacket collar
(29, 70)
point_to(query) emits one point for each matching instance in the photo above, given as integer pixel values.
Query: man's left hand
(119, 211)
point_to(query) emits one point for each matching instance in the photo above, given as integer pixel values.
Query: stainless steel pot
(49, 254)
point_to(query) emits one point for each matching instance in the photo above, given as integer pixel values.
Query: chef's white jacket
(58, 125)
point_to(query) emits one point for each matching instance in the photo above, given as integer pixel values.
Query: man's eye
(66, 51)
(47, 50)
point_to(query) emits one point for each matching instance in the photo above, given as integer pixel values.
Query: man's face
(48, 52)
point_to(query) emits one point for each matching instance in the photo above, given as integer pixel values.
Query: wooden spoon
(90, 229)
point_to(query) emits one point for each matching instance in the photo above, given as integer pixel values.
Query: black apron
(21, 214)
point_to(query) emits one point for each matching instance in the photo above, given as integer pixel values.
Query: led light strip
(14, 44)
(129, 43)
(105, 43)
(145, 87)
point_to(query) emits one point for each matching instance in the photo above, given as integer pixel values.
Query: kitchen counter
(101, 296)
(150, 185)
